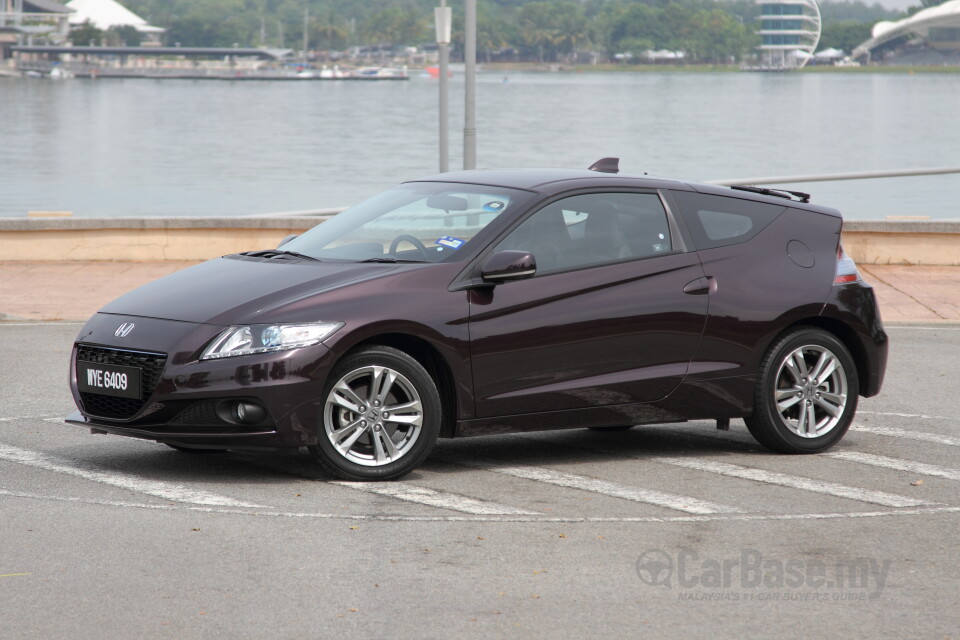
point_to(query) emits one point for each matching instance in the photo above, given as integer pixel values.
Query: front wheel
(806, 393)
(381, 416)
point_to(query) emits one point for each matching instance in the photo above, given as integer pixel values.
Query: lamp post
(443, 19)
(470, 93)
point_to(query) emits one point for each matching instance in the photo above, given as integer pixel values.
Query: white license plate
(108, 379)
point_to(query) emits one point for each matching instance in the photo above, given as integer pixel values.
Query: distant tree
(396, 26)
(125, 36)
(845, 35)
(837, 10)
(86, 35)
(552, 28)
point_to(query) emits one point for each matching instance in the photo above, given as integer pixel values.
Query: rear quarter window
(718, 221)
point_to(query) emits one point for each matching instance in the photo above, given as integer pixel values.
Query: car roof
(539, 179)
(553, 181)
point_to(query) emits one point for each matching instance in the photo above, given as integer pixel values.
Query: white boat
(380, 73)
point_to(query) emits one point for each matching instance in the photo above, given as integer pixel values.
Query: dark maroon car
(494, 301)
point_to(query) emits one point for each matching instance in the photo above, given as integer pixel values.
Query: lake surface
(181, 147)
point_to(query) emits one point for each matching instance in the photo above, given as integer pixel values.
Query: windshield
(415, 222)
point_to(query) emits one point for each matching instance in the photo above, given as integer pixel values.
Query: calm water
(145, 147)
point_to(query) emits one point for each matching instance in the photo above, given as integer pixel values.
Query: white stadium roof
(944, 15)
(104, 14)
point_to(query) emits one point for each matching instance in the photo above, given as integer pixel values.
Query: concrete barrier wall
(902, 242)
(142, 239)
(201, 238)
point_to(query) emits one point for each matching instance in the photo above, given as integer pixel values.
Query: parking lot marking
(794, 482)
(718, 517)
(909, 435)
(165, 490)
(896, 463)
(433, 498)
(602, 487)
(922, 416)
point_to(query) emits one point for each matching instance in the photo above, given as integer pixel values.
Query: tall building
(789, 31)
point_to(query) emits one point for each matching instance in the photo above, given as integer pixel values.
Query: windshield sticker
(450, 241)
(496, 205)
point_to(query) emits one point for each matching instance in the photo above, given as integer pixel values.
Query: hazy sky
(895, 4)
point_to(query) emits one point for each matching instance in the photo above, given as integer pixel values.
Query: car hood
(238, 290)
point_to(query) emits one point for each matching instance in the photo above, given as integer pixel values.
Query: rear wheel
(806, 393)
(381, 416)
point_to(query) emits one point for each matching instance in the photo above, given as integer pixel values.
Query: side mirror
(287, 239)
(504, 266)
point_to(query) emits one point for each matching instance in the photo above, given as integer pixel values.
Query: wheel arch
(430, 359)
(843, 333)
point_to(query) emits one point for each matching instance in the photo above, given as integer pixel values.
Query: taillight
(846, 268)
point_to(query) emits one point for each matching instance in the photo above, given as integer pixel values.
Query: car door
(604, 321)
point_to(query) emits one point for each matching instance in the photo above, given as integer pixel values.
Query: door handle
(701, 286)
(698, 287)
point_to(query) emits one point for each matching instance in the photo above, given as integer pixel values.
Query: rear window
(717, 221)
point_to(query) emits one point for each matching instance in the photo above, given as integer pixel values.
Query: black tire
(814, 412)
(368, 433)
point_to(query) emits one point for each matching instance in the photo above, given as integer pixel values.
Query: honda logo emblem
(124, 330)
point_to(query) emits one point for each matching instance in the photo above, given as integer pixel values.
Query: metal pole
(825, 177)
(306, 36)
(470, 93)
(443, 20)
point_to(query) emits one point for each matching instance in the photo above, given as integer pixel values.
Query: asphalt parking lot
(667, 531)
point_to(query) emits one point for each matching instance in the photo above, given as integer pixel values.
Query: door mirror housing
(504, 266)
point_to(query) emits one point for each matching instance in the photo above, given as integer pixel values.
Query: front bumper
(188, 402)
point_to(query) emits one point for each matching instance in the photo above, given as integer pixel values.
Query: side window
(593, 228)
(718, 221)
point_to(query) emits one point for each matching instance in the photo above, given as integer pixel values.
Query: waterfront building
(789, 32)
(32, 21)
(928, 37)
(108, 14)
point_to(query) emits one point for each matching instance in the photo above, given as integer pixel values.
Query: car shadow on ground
(451, 456)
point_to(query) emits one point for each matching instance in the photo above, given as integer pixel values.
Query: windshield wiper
(389, 260)
(276, 253)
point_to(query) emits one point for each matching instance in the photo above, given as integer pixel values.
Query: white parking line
(165, 490)
(896, 463)
(602, 487)
(519, 519)
(793, 482)
(909, 435)
(433, 498)
(922, 416)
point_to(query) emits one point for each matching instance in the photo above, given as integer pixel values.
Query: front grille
(150, 364)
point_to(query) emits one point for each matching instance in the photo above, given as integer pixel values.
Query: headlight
(262, 338)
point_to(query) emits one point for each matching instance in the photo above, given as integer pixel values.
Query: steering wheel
(412, 240)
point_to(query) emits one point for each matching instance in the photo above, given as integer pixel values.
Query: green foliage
(840, 11)
(124, 36)
(544, 30)
(844, 35)
(86, 35)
